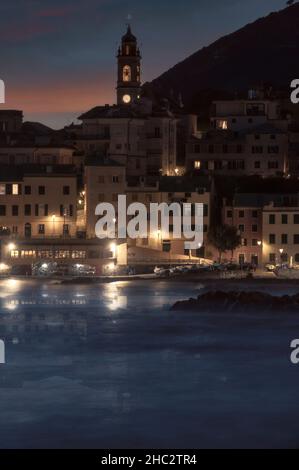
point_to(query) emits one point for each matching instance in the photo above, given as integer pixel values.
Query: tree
(225, 238)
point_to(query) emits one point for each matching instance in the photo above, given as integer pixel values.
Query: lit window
(15, 189)
(2, 189)
(197, 165)
(222, 124)
(127, 73)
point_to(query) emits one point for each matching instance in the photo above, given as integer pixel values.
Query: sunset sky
(58, 56)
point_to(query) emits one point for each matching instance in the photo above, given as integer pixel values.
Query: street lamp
(113, 249)
(259, 243)
(281, 253)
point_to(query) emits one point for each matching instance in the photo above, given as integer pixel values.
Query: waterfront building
(38, 201)
(245, 213)
(106, 179)
(268, 225)
(281, 231)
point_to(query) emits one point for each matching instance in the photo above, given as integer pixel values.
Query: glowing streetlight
(11, 246)
(113, 249)
(259, 243)
(3, 267)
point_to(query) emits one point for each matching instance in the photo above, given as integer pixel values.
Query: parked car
(270, 267)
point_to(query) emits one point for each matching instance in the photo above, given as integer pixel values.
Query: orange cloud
(60, 98)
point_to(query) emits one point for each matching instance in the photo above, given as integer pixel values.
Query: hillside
(263, 52)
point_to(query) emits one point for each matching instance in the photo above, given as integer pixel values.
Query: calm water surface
(109, 366)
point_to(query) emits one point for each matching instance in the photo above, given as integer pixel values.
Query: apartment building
(281, 232)
(259, 151)
(269, 227)
(38, 201)
(38, 220)
(237, 115)
(245, 213)
(105, 180)
(171, 190)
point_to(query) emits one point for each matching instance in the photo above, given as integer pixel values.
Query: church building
(135, 132)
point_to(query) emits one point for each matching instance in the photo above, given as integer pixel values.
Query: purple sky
(58, 56)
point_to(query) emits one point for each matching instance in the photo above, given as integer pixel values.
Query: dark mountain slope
(266, 51)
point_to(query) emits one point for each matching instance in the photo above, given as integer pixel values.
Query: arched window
(127, 73)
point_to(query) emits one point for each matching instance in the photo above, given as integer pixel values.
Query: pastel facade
(246, 214)
(281, 233)
(38, 202)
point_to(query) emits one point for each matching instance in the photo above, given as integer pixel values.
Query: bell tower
(129, 72)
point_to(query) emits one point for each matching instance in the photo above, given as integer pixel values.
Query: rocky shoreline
(239, 301)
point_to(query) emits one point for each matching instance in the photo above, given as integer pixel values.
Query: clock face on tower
(127, 99)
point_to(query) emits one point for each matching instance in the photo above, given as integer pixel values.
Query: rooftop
(182, 184)
(17, 173)
(100, 160)
(110, 112)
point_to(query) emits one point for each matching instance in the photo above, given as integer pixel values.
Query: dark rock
(240, 301)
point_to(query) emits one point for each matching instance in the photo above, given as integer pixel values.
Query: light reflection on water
(111, 295)
(110, 366)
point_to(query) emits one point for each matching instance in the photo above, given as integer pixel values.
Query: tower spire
(129, 71)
